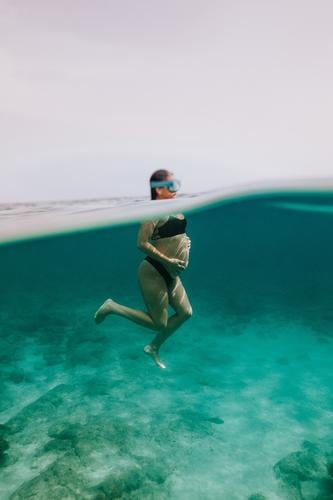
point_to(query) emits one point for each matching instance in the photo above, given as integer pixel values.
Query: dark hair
(158, 175)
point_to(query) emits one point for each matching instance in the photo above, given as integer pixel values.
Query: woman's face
(163, 193)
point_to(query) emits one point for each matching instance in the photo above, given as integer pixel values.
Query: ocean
(244, 409)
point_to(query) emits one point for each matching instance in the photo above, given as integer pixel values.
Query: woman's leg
(135, 315)
(155, 295)
(178, 299)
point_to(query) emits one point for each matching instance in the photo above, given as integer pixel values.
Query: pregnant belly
(183, 253)
(176, 248)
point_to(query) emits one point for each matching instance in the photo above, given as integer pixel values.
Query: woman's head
(163, 185)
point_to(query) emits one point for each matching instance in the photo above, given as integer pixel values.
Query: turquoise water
(244, 409)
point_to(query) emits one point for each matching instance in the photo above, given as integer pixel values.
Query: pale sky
(95, 95)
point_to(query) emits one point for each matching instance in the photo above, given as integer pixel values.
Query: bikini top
(173, 226)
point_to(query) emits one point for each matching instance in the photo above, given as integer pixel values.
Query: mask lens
(174, 185)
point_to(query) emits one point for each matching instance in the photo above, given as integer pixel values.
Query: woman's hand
(175, 267)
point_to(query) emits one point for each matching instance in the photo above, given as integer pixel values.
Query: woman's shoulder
(180, 216)
(162, 220)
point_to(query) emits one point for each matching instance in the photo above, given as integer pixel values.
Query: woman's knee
(187, 313)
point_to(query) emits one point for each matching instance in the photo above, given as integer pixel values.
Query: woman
(167, 247)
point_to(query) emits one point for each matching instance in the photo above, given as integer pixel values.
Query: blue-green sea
(244, 410)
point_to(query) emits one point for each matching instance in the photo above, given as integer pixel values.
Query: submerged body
(168, 247)
(160, 283)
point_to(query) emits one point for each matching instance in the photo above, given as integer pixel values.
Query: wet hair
(158, 175)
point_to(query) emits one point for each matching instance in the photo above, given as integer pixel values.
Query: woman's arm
(145, 232)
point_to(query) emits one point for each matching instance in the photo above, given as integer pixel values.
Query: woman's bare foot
(107, 308)
(151, 351)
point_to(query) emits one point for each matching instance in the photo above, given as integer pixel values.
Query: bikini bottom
(161, 269)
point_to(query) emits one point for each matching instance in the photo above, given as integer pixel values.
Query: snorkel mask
(172, 185)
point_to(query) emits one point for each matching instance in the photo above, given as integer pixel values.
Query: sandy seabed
(243, 410)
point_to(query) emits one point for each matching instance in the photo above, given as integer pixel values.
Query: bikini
(172, 227)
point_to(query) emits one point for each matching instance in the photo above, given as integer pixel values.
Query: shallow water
(245, 406)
